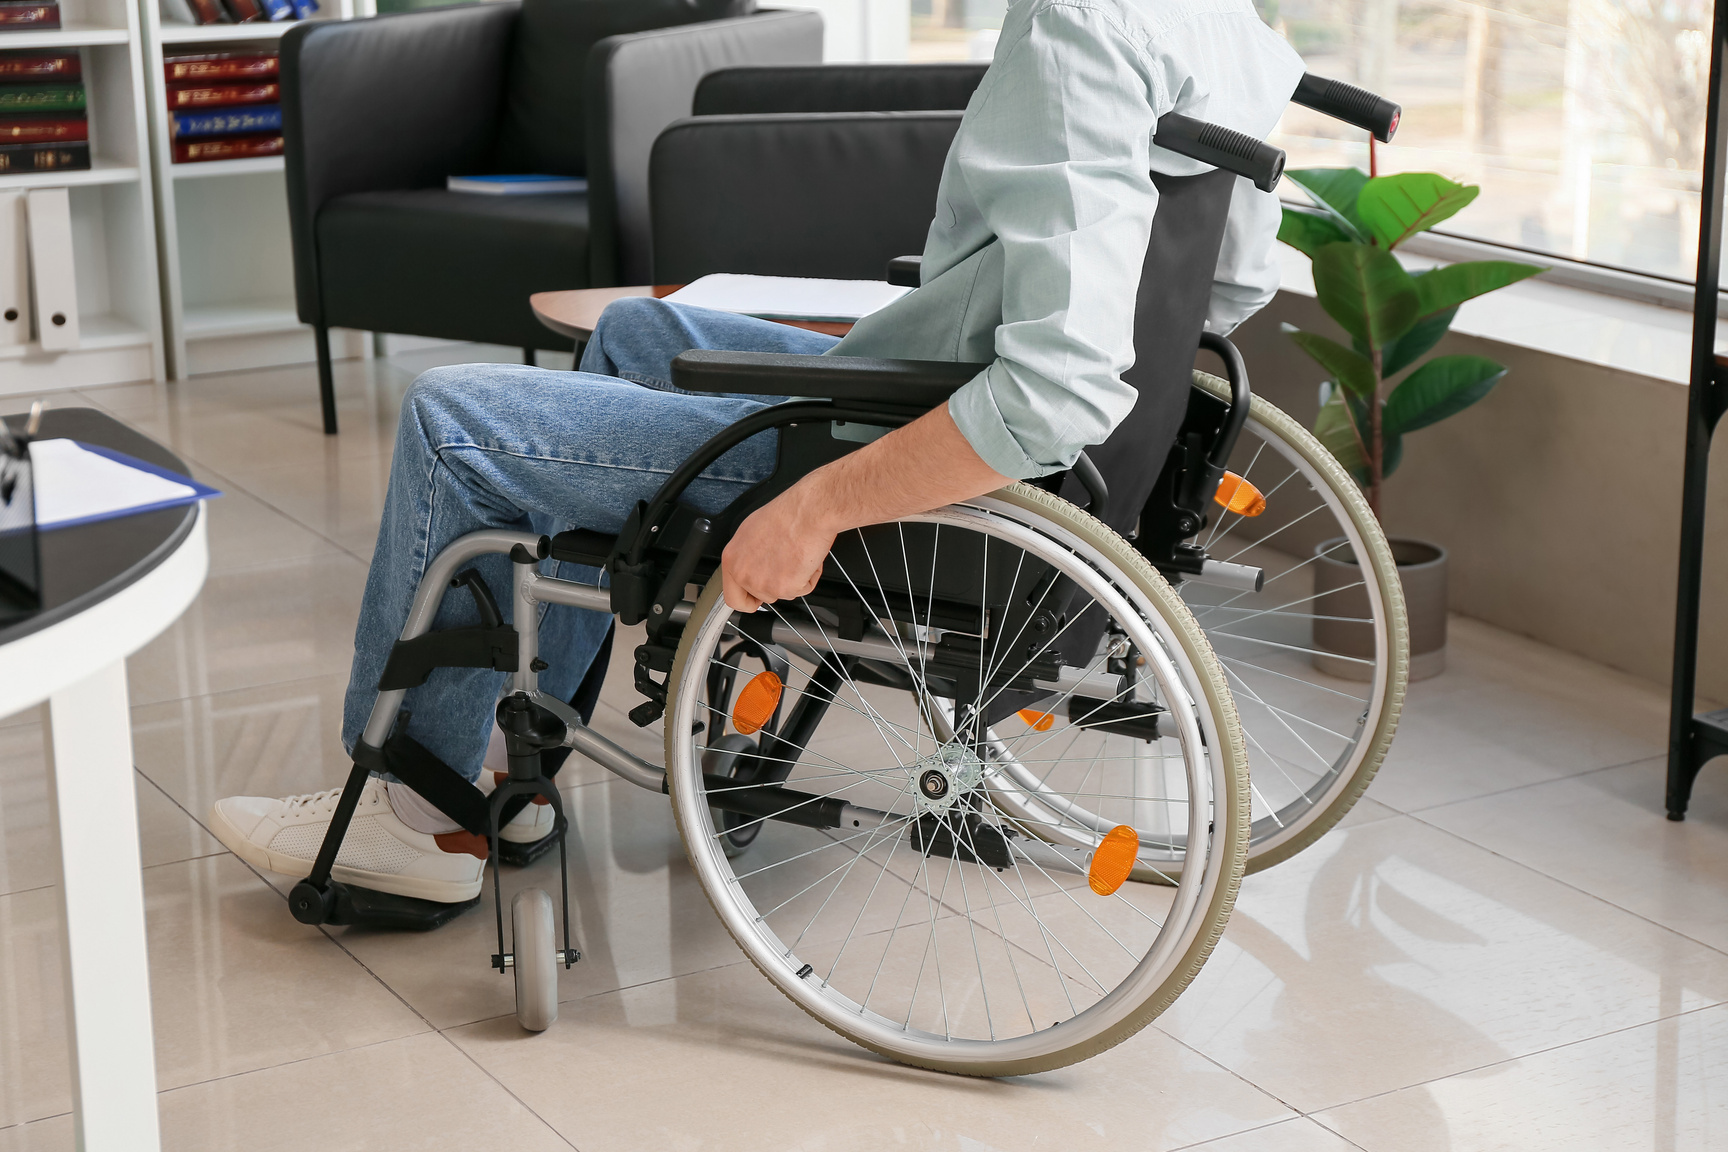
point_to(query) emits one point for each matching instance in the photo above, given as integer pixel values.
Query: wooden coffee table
(574, 312)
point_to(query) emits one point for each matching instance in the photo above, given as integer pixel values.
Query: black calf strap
(442, 786)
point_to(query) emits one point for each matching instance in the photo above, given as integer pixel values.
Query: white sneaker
(532, 824)
(379, 851)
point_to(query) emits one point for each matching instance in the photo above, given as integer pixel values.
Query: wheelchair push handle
(1350, 104)
(1221, 147)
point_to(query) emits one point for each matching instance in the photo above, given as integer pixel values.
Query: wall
(857, 30)
(1558, 497)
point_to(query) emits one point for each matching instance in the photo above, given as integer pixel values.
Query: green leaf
(1447, 287)
(1395, 208)
(1440, 388)
(1349, 369)
(1336, 427)
(1334, 190)
(1408, 348)
(1366, 290)
(1305, 230)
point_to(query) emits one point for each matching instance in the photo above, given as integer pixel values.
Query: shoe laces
(313, 801)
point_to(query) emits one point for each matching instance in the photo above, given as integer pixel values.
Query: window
(1582, 120)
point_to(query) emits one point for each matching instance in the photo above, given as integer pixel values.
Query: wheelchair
(981, 801)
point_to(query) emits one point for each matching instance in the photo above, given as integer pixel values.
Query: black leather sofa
(377, 113)
(825, 170)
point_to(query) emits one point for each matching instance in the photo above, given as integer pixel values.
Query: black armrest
(906, 271)
(639, 83)
(837, 88)
(834, 195)
(920, 384)
(393, 102)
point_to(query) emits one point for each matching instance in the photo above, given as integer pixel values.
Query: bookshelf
(222, 226)
(112, 215)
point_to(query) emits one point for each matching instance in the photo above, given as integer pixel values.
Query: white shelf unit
(113, 219)
(222, 226)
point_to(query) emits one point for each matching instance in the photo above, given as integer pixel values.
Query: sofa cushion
(543, 127)
(429, 262)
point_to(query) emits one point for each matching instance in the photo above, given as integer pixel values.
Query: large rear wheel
(945, 882)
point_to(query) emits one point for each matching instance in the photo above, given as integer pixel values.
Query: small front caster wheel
(535, 948)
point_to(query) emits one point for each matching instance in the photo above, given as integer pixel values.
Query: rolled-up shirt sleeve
(1055, 157)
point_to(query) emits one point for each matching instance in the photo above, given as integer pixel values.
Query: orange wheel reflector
(1240, 496)
(1113, 860)
(1036, 720)
(756, 703)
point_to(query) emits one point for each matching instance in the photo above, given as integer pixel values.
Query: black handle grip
(905, 271)
(1350, 104)
(1221, 147)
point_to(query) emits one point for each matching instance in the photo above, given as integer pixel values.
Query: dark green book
(42, 98)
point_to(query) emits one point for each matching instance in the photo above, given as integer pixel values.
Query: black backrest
(837, 88)
(1169, 315)
(832, 195)
(544, 126)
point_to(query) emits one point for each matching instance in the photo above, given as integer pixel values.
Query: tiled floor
(1506, 947)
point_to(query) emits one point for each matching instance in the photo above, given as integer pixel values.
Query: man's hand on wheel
(777, 553)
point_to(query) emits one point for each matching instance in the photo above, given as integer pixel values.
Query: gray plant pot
(1340, 599)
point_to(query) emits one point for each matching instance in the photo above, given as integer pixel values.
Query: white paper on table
(76, 485)
(789, 297)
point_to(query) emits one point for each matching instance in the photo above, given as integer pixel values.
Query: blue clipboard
(199, 491)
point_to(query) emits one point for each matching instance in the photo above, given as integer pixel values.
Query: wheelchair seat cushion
(544, 127)
(490, 251)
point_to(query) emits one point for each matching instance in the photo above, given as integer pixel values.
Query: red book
(244, 11)
(225, 148)
(207, 11)
(213, 67)
(29, 14)
(222, 95)
(33, 130)
(23, 65)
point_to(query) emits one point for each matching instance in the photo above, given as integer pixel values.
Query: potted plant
(1379, 387)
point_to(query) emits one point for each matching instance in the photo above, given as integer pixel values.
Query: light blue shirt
(1033, 260)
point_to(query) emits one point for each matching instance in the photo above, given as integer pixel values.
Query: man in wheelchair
(1032, 269)
(980, 710)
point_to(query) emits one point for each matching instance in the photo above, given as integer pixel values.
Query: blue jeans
(509, 446)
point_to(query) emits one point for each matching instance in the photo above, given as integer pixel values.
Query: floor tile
(1393, 953)
(259, 626)
(1661, 1086)
(341, 499)
(236, 985)
(1298, 1135)
(272, 740)
(751, 1071)
(28, 853)
(1607, 834)
(247, 533)
(1508, 712)
(417, 1094)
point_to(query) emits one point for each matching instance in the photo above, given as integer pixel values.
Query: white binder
(14, 271)
(51, 274)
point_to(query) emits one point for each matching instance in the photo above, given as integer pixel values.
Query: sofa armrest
(760, 90)
(832, 195)
(638, 84)
(392, 102)
(916, 384)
